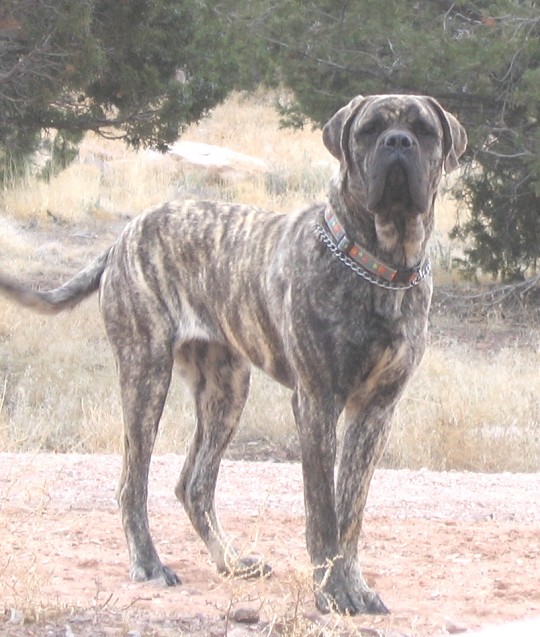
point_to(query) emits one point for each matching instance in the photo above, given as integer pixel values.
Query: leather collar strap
(365, 259)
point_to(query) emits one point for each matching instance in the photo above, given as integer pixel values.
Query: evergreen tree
(480, 59)
(140, 70)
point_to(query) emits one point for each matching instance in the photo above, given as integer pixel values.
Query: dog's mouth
(395, 186)
(397, 183)
(390, 187)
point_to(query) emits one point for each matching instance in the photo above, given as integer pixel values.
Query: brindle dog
(331, 302)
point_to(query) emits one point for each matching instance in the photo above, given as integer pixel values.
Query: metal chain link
(355, 267)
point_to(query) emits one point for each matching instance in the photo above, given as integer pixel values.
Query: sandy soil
(447, 551)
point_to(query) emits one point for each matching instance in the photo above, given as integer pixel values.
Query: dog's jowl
(331, 302)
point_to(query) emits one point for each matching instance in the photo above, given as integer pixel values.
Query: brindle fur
(216, 288)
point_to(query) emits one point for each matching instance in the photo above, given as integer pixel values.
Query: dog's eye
(370, 128)
(423, 128)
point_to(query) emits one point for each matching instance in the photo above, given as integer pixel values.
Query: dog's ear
(455, 137)
(336, 130)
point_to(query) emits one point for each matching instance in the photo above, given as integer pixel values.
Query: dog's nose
(398, 139)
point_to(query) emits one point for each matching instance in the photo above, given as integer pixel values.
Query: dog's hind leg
(144, 369)
(219, 379)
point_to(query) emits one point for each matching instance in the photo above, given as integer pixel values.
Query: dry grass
(470, 411)
(111, 179)
(465, 408)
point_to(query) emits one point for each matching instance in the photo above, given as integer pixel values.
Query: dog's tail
(67, 296)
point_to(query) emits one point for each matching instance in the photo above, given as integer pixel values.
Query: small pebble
(455, 629)
(246, 615)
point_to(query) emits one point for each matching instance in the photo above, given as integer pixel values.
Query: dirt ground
(447, 551)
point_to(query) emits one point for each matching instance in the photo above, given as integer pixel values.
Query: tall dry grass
(465, 408)
(471, 411)
(110, 179)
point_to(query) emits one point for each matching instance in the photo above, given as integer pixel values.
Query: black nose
(398, 139)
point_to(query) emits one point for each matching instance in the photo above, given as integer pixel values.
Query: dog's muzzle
(396, 183)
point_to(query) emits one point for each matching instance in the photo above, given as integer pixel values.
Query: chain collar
(365, 264)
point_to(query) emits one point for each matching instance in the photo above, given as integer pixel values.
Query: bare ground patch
(446, 551)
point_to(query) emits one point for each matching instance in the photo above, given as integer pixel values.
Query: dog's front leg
(366, 432)
(316, 419)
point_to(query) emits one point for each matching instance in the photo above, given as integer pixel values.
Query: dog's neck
(403, 238)
(397, 238)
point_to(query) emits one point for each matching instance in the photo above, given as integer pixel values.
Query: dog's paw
(346, 592)
(140, 573)
(346, 602)
(249, 567)
(374, 604)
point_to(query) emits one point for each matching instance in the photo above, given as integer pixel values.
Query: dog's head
(393, 150)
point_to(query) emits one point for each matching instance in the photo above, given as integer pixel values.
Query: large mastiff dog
(331, 302)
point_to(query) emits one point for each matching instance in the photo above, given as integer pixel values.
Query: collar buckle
(409, 277)
(344, 244)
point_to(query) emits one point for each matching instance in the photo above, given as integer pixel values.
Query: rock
(220, 162)
(245, 615)
(453, 628)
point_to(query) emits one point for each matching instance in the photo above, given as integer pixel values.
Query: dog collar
(353, 255)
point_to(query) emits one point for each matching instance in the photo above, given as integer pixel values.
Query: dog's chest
(357, 336)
